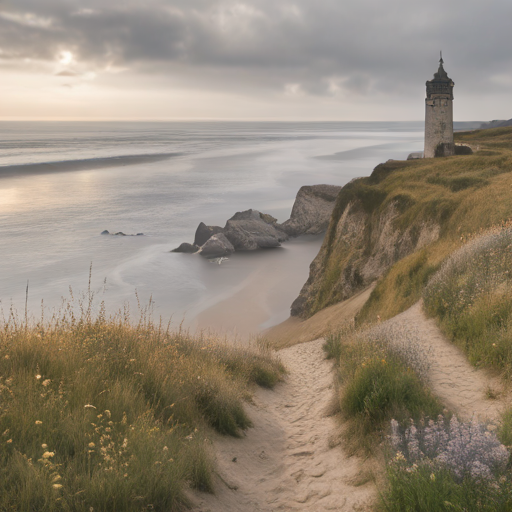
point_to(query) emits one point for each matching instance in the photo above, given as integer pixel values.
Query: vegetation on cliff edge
(459, 196)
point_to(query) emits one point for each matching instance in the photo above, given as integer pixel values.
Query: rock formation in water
(186, 248)
(119, 233)
(251, 230)
(312, 210)
(204, 232)
(217, 246)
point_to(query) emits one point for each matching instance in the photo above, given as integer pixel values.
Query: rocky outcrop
(204, 232)
(119, 233)
(312, 210)
(186, 248)
(251, 230)
(217, 246)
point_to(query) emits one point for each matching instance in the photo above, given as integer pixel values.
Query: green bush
(380, 376)
(386, 388)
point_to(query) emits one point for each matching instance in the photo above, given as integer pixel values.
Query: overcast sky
(251, 59)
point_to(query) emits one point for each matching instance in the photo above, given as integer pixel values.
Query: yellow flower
(46, 382)
(57, 486)
(38, 377)
(39, 422)
(89, 406)
(9, 441)
(383, 361)
(48, 455)
(91, 445)
(432, 477)
(44, 446)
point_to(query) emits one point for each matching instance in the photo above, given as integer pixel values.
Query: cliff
(397, 225)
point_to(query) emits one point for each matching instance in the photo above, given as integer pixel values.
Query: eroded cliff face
(366, 236)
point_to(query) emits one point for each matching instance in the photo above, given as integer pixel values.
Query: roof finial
(441, 61)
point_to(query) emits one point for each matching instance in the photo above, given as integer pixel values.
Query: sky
(339, 60)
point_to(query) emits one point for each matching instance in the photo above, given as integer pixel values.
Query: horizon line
(216, 119)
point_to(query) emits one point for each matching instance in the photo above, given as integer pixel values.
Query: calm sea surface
(63, 183)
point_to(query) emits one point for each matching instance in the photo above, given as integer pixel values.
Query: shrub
(447, 465)
(382, 374)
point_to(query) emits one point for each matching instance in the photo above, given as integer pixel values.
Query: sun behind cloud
(66, 57)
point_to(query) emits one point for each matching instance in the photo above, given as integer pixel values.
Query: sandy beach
(264, 297)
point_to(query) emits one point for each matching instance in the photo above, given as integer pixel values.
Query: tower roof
(441, 84)
(441, 74)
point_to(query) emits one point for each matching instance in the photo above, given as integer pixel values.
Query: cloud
(293, 48)
(66, 73)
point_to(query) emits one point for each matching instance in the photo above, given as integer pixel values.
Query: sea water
(63, 183)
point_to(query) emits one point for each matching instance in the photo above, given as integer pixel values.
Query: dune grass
(471, 296)
(101, 414)
(462, 195)
(381, 376)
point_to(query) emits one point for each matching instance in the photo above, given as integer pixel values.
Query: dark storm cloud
(323, 46)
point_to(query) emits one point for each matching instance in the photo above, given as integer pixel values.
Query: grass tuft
(381, 375)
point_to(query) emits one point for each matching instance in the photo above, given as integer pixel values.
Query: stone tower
(439, 115)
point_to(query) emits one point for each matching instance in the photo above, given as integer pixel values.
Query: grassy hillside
(464, 194)
(404, 220)
(99, 414)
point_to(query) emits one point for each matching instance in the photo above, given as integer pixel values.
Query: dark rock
(462, 149)
(217, 246)
(186, 248)
(251, 230)
(106, 232)
(204, 232)
(312, 210)
(265, 217)
(415, 156)
(120, 233)
(140, 234)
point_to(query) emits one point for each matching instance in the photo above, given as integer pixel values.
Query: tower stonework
(439, 115)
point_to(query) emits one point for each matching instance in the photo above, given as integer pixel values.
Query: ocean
(63, 183)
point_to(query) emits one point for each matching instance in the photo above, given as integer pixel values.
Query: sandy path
(295, 330)
(287, 462)
(458, 384)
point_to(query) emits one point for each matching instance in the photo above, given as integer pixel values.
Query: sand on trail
(290, 459)
(295, 330)
(287, 461)
(460, 386)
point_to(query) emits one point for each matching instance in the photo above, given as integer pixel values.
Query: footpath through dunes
(290, 460)
(464, 389)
